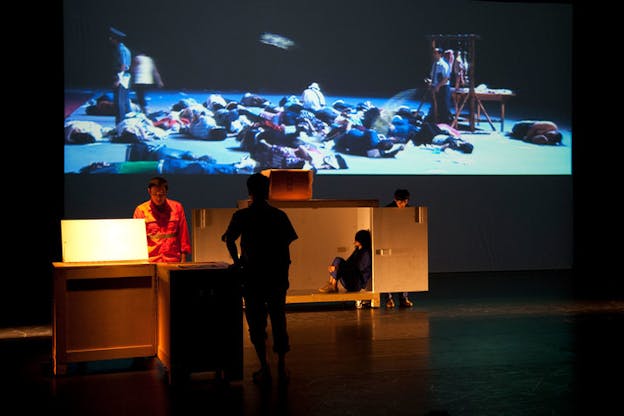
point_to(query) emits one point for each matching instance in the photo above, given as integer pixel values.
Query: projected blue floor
(258, 137)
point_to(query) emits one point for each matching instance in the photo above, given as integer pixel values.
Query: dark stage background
(476, 223)
(358, 48)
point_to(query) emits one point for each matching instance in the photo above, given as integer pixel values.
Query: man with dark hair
(168, 238)
(401, 199)
(265, 235)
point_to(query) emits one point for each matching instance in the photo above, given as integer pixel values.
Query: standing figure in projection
(145, 76)
(122, 59)
(440, 89)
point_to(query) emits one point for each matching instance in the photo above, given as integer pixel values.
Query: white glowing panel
(104, 240)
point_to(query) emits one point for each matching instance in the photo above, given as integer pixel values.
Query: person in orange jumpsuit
(167, 231)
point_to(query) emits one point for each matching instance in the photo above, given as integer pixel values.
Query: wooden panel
(164, 316)
(399, 237)
(103, 312)
(110, 317)
(317, 203)
(200, 324)
(307, 296)
(209, 224)
(401, 259)
(323, 234)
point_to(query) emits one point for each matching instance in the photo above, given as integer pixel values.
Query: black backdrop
(35, 189)
(359, 47)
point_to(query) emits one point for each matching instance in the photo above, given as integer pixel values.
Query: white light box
(104, 240)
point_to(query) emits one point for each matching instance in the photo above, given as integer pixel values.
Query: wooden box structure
(289, 184)
(200, 320)
(104, 293)
(103, 311)
(326, 230)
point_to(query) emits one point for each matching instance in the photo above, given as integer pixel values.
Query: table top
(485, 93)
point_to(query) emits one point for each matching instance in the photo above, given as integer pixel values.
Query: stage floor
(494, 153)
(514, 343)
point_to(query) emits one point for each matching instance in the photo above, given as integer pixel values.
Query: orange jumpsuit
(167, 231)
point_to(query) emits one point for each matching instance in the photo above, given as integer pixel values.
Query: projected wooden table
(460, 98)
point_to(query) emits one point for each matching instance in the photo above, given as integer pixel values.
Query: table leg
(487, 116)
(459, 110)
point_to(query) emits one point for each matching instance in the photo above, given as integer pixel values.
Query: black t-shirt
(266, 233)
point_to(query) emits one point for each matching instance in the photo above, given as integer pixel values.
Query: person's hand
(331, 268)
(236, 266)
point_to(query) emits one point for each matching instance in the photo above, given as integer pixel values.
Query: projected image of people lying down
(431, 115)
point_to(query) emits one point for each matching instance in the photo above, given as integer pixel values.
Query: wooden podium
(103, 311)
(200, 320)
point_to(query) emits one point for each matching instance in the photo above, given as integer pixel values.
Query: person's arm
(446, 75)
(233, 250)
(185, 240)
(443, 80)
(229, 237)
(290, 233)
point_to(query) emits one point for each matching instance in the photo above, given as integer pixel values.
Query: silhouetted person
(265, 235)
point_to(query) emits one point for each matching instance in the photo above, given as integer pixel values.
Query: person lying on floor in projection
(305, 156)
(158, 158)
(536, 132)
(361, 141)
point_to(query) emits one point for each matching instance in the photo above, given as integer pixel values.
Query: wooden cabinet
(326, 230)
(200, 326)
(103, 311)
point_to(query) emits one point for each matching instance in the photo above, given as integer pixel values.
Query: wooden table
(460, 98)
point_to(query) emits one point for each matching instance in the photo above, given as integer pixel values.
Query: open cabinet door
(401, 251)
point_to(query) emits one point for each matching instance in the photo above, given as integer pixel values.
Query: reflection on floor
(475, 344)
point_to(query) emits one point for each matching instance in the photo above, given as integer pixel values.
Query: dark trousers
(443, 103)
(121, 101)
(346, 274)
(141, 95)
(263, 301)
